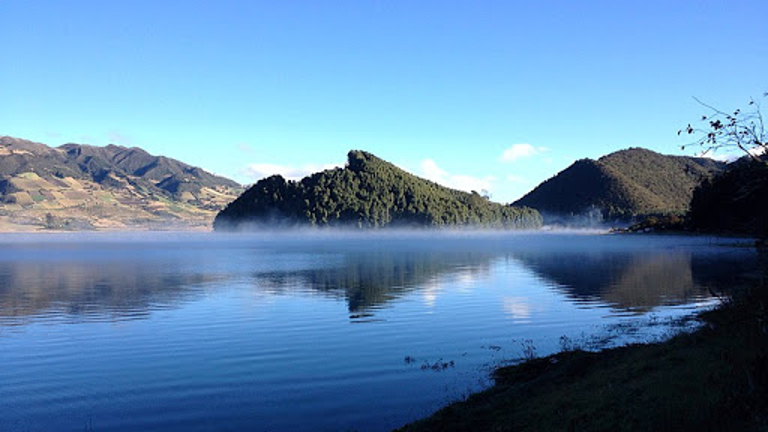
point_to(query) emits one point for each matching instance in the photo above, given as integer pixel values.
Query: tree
(50, 221)
(736, 200)
(743, 130)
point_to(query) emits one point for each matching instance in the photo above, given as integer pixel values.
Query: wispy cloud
(117, 137)
(245, 148)
(87, 139)
(520, 151)
(757, 151)
(722, 157)
(431, 171)
(262, 170)
(729, 156)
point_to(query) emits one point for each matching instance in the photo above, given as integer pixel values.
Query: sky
(476, 95)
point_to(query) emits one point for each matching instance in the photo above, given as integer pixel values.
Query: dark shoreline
(714, 378)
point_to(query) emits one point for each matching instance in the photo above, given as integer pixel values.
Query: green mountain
(622, 185)
(86, 187)
(368, 193)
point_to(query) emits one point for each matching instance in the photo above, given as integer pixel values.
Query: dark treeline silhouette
(734, 202)
(368, 193)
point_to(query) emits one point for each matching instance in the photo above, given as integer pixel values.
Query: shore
(715, 378)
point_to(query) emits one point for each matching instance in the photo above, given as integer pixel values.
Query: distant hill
(86, 187)
(622, 185)
(368, 193)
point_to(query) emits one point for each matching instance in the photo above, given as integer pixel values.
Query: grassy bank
(713, 379)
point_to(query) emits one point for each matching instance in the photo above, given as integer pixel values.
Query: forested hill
(735, 201)
(368, 193)
(623, 185)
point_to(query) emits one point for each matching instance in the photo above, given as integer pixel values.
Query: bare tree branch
(742, 130)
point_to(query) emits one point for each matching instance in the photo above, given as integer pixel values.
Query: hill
(368, 193)
(734, 201)
(86, 187)
(622, 185)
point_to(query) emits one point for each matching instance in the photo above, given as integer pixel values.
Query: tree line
(368, 193)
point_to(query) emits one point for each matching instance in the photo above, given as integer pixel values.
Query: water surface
(327, 331)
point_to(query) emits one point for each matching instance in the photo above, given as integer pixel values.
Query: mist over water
(316, 329)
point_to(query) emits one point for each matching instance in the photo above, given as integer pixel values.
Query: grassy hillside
(86, 187)
(623, 185)
(368, 193)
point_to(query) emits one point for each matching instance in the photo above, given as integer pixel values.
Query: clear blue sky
(442, 88)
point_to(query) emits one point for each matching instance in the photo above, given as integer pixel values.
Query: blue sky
(474, 94)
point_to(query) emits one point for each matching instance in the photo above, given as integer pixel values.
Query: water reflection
(124, 281)
(518, 308)
(637, 281)
(82, 290)
(370, 279)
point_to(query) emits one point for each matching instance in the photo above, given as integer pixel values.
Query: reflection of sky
(265, 330)
(464, 279)
(519, 308)
(632, 274)
(429, 292)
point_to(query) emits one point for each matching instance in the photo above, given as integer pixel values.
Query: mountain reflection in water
(637, 280)
(112, 281)
(369, 280)
(159, 331)
(93, 282)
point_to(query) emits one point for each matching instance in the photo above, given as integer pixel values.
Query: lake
(318, 330)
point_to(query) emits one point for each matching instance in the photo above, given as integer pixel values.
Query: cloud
(519, 151)
(245, 148)
(262, 170)
(722, 157)
(431, 171)
(119, 138)
(516, 179)
(729, 156)
(758, 151)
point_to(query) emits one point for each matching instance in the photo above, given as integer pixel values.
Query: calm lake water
(329, 331)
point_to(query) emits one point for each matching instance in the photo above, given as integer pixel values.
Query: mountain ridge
(91, 187)
(622, 185)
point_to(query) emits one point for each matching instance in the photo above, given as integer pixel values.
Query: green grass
(713, 379)
(29, 176)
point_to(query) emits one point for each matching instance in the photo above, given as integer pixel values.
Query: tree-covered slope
(368, 193)
(735, 201)
(623, 185)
